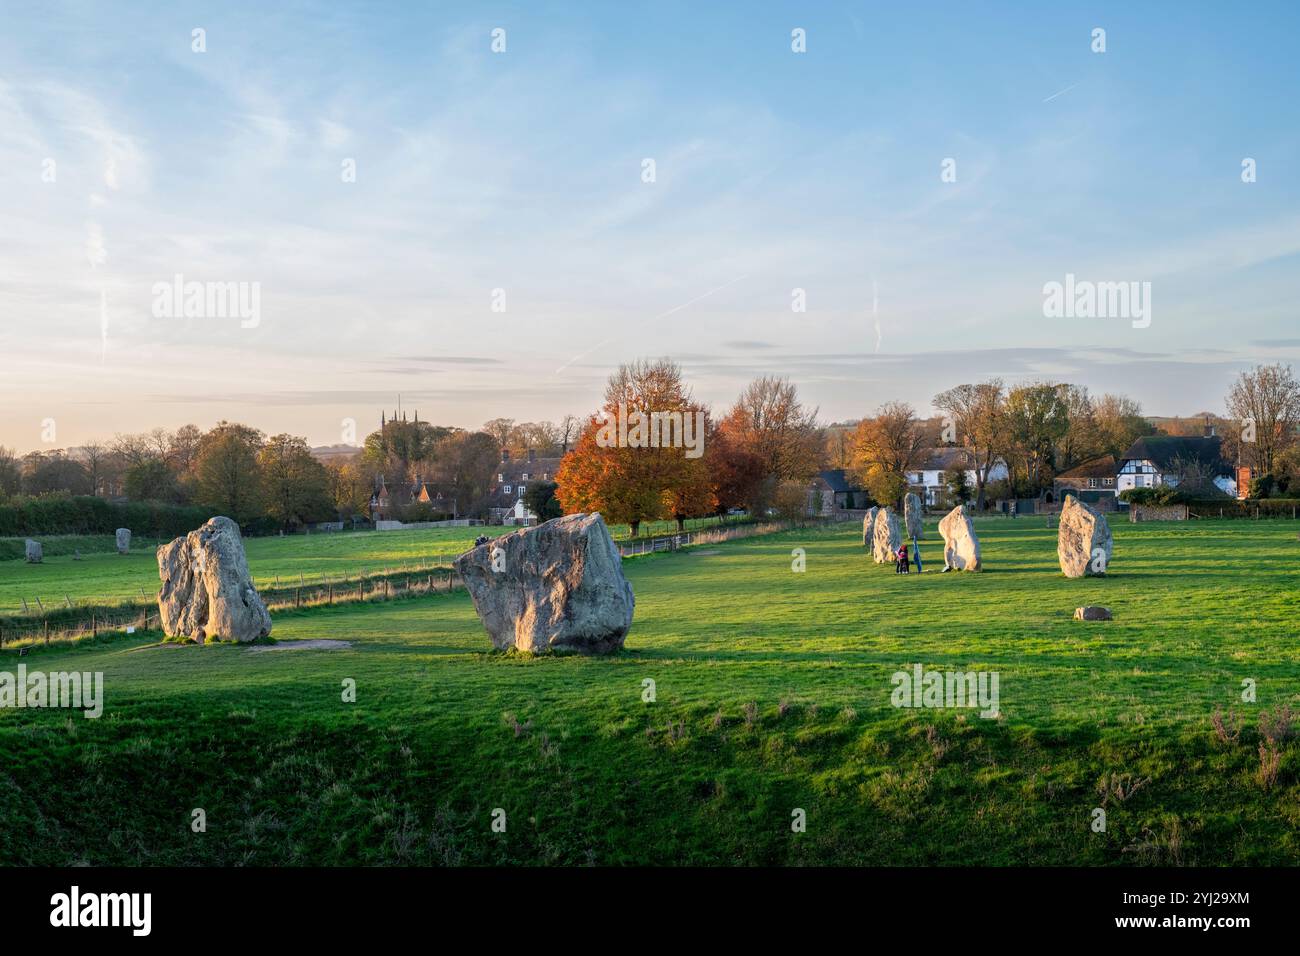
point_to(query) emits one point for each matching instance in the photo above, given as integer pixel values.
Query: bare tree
(978, 418)
(769, 421)
(1266, 402)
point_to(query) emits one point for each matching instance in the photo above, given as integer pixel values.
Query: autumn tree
(977, 413)
(630, 482)
(885, 445)
(228, 480)
(1118, 422)
(295, 485)
(769, 421)
(349, 488)
(464, 465)
(736, 472)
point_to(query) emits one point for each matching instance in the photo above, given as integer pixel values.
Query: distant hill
(329, 452)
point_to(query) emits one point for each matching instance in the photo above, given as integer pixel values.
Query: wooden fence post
(45, 624)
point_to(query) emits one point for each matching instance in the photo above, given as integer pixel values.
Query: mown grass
(772, 693)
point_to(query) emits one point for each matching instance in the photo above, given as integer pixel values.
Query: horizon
(516, 179)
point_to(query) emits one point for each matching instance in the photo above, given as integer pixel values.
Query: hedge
(84, 514)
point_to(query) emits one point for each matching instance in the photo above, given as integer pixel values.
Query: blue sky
(521, 171)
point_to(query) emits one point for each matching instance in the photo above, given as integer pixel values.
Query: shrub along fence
(1248, 508)
(85, 514)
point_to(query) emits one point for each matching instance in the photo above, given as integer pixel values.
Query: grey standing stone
(35, 554)
(887, 537)
(207, 591)
(557, 586)
(914, 516)
(1083, 540)
(869, 527)
(123, 540)
(961, 547)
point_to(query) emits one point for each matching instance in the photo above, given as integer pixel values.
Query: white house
(1154, 461)
(930, 477)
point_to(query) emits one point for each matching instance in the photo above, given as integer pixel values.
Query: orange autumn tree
(641, 457)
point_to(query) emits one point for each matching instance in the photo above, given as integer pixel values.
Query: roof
(1103, 467)
(514, 469)
(837, 481)
(1161, 450)
(943, 459)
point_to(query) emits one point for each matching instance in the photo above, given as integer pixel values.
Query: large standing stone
(123, 540)
(961, 548)
(558, 586)
(1083, 541)
(869, 527)
(35, 554)
(206, 588)
(887, 538)
(914, 516)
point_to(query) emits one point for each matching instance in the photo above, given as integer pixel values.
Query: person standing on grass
(900, 566)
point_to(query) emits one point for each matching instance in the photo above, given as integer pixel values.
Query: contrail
(1060, 92)
(661, 315)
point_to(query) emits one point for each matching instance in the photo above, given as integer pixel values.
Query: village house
(929, 479)
(836, 490)
(513, 478)
(1155, 461)
(1093, 481)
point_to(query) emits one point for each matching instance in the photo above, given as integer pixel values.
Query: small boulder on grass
(1092, 613)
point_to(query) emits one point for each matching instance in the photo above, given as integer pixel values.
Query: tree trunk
(636, 527)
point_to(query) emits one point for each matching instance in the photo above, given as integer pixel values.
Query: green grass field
(104, 577)
(773, 693)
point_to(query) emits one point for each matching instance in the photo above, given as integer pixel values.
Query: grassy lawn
(773, 693)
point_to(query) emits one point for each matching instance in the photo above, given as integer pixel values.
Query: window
(500, 477)
(525, 476)
(1092, 482)
(507, 489)
(521, 490)
(938, 478)
(1107, 482)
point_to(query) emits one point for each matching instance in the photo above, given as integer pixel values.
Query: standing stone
(35, 554)
(869, 527)
(207, 592)
(913, 515)
(123, 540)
(1083, 541)
(557, 586)
(961, 548)
(887, 538)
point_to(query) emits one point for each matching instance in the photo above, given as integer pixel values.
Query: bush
(84, 514)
